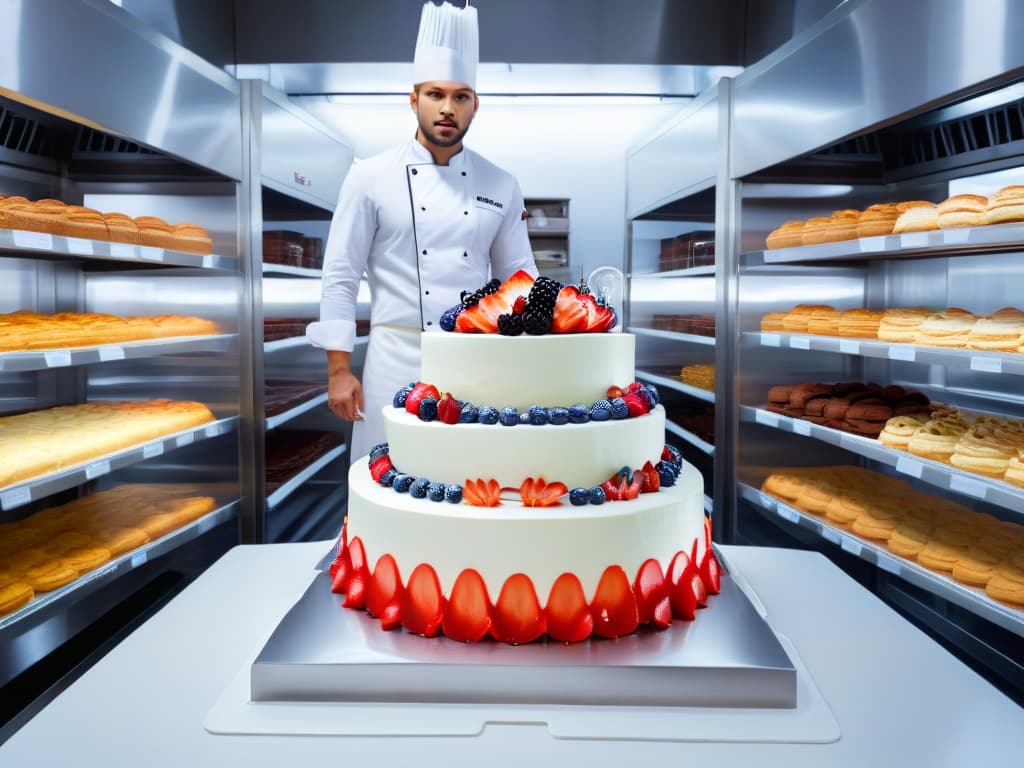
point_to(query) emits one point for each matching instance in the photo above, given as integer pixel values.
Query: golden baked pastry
(85, 559)
(962, 211)
(976, 566)
(773, 321)
(50, 575)
(700, 376)
(878, 219)
(859, 323)
(14, 595)
(1000, 332)
(25, 330)
(986, 450)
(844, 509)
(908, 539)
(876, 524)
(920, 218)
(950, 328)
(824, 321)
(154, 231)
(191, 238)
(940, 556)
(78, 221)
(1007, 585)
(900, 324)
(798, 318)
(936, 439)
(842, 225)
(1006, 205)
(815, 230)
(1015, 470)
(121, 228)
(789, 235)
(120, 540)
(898, 430)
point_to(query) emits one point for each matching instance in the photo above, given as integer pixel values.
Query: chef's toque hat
(448, 45)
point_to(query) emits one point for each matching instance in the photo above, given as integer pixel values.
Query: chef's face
(444, 110)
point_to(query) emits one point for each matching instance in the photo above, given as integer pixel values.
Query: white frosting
(579, 455)
(542, 542)
(491, 369)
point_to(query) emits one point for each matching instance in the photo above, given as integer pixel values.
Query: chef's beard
(429, 130)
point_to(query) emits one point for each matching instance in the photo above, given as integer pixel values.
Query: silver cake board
(728, 658)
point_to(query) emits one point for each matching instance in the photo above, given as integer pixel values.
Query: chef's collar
(422, 155)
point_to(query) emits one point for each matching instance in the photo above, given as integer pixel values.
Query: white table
(900, 699)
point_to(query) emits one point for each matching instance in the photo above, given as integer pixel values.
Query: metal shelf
(55, 603)
(289, 343)
(556, 227)
(700, 394)
(688, 436)
(972, 599)
(285, 270)
(705, 271)
(973, 359)
(691, 338)
(934, 473)
(41, 359)
(18, 494)
(278, 419)
(944, 242)
(16, 242)
(282, 493)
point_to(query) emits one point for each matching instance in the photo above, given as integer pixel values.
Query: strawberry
(598, 318)
(700, 592)
(614, 392)
(339, 572)
(379, 467)
(570, 314)
(676, 568)
(650, 479)
(614, 607)
(637, 405)
(358, 575)
(519, 305)
(483, 318)
(448, 409)
(632, 490)
(422, 604)
(517, 616)
(385, 586)
(684, 599)
(567, 614)
(537, 493)
(651, 594)
(711, 572)
(467, 616)
(391, 618)
(636, 386)
(481, 493)
(420, 391)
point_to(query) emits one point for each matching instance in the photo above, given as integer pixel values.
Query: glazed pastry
(798, 318)
(908, 539)
(815, 231)
(778, 398)
(1007, 585)
(986, 450)
(859, 323)
(789, 235)
(191, 238)
(772, 322)
(824, 321)
(898, 430)
(842, 225)
(78, 221)
(878, 219)
(154, 231)
(121, 228)
(962, 211)
(976, 566)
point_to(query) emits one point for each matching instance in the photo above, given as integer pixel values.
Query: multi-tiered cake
(525, 488)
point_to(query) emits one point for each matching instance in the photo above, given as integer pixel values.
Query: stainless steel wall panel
(678, 161)
(878, 61)
(131, 81)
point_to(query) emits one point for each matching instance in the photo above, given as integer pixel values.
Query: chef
(425, 221)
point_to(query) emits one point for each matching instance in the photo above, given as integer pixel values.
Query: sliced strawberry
(614, 607)
(391, 618)
(483, 318)
(570, 314)
(420, 391)
(519, 305)
(684, 599)
(650, 479)
(358, 575)
(448, 409)
(422, 604)
(632, 490)
(477, 319)
(379, 467)
(339, 573)
(355, 592)
(649, 589)
(385, 586)
(612, 492)
(676, 568)
(614, 392)
(537, 493)
(517, 615)
(467, 616)
(711, 572)
(568, 616)
(598, 319)
(481, 493)
(636, 386)
(636, 404)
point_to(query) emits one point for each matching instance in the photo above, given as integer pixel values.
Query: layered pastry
(898, 430)
(774, 322)
(25, 330)
(950, 328)
(999, 332)
(700, 375)
(824, 321)
(841, 225)
(962, 211)
(901, 324)
(986, 449)
(1015, 470)
(878, 219)
(798, 319)
(191, 238)
(535, 501)
(936, 439)
(1006, 205)
(859, 323)
(154, 231)
(920, 218)
(815, 231)
(789, 235)
(121, 228)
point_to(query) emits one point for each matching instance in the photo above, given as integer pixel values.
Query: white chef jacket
(422, 233)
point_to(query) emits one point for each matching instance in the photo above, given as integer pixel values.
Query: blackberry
(402, 482)
(666, 475)
(509, 416)
(510, 324)
(596, 495)
(538, 415)
(472, 298)
(536, 322)
(543, 295)
(469, 414)
(488, 414)
(453, 493)
(619, 408)
(435, 491)
(449, 317)
(428, 409)
(601, 410)
(579, 413)
(400, 396)
(676, 456)
(579, 497)
(558, 415)
(388, 478)
(378, 451)
(418, 489)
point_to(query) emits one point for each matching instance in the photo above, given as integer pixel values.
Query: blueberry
(524, 418)
(579, 497)
(538, 415)
(619, 408)
(652, 391)
(400, 396)
(378, 451)
(469, 414)
(418, 489)
(449, 316)
(509, 416)
(453, 493)
(388, 478)
(579, 413)
(402, 482)
(428, 409)
(673, 468)
(677, 457)
(488, 415)
(596, 495)
(666, 475)
(601, 410)
(435, 491)
(644, 395)
(558, 415)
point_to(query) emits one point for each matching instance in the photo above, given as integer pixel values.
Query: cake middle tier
(520, 371)
(579, 455)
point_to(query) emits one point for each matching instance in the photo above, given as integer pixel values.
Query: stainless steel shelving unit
(44, 359)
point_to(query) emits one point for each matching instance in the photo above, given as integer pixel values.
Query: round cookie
(1007, 586)
(120, 540)
(84, 559)
(976, 567)
(939, 556)
(14, 595)
(50, 575)
(908, 539)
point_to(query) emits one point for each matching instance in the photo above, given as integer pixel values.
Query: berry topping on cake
(538, 415)
(596, 495)
(482, 493)
(567, 613)
(652, 601)
(636, 405)
(614, 391)
(579, 413)
(538, 493)
(579, 497)
(453, 493)
(449, 316)
(482, 317)
(509, 416)
(623, 485)
(510, 324)
(620, 410)
(558, 415)
(468, 414)
(402, 483)
(418, 489)
(420, 391)
(448, 409)
(488, 414)
(401, 395)
(428, 409)
(384, 589)
(517, 616)
(650, 480)
(388, 478)
(435, 491)
(652, 391)
(577, 312)
(524, 418)
(422, 602)
(614, 608)
(711, 572)
(379, 467)
(636, 386)
(472, 298)
(666, 474)
(467, 616)
(601, 410)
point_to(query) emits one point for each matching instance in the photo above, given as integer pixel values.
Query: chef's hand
(344, 392)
